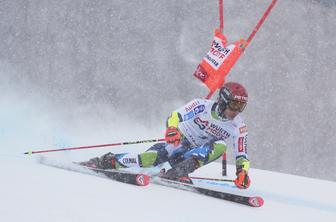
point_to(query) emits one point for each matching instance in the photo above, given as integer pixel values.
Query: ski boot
(107, 161)
(180, 172)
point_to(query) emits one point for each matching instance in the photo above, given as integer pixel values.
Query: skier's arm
(242, 161)
(174, 119)
(173, 134)
(183, 113)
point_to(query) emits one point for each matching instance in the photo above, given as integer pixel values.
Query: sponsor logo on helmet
(242, 98)
(223, 98)
(226, 91)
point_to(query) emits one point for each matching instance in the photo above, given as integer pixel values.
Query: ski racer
(196, 135)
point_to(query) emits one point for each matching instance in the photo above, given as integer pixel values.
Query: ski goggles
(236, 106)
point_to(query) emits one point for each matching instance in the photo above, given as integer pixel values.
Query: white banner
(218, 53)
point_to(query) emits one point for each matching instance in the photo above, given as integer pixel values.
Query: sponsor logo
(199, 109)
(128, 160)
(188, 116)
(201, 123)
(191, 114)
(256, 201)
(200, 73)
(241, 144)
(191, 106)
(245, 144)
(213, 61)
(218, 53)
(243, 129)
(217, 131)
(226, 91)
(241, 98)
(141, 180)
(218, 49)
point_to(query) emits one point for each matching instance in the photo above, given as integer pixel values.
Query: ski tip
(142, 179)
(256, 201)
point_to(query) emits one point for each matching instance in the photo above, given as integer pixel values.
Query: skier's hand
(173, 136)
(243, 180)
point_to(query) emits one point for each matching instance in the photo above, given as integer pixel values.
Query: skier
(195, 136)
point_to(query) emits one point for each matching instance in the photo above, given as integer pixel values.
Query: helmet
(233, 96)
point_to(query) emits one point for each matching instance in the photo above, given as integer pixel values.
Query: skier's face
(230, 114)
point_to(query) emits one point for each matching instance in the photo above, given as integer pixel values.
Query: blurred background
(83, 72)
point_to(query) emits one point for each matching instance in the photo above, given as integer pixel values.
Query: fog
(82, 72)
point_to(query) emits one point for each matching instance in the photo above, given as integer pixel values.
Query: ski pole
(221, 16)
(94, 146)
(212, 179)
(261, 21)
(209, 95)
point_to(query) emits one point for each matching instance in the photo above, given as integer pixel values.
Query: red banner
(218, 61)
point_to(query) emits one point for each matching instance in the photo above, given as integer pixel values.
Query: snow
(34, 192)
(81, 74)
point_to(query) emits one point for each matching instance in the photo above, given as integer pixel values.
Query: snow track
(35, 192)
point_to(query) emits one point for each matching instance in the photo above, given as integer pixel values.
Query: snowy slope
(34, 192)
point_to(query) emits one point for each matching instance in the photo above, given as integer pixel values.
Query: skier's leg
(107, 161)
(182, 169)
(207, 153)
(163, 152)
(196, 158)
(155, 155)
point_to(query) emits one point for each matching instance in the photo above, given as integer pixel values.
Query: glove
(243, 180)
(173, 136)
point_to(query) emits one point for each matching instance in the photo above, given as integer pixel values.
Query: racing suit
(204, 138)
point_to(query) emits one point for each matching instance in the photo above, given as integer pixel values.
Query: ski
(138, 179)
(141, 179)
(252, 201)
